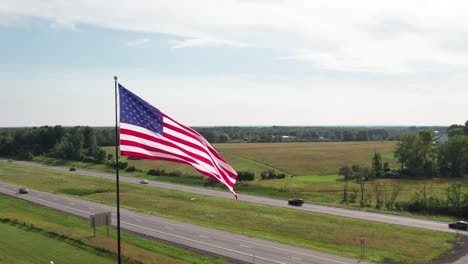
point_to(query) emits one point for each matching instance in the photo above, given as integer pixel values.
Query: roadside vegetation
(336, 235)
(36, 234)
(417, 173)
(396, 194)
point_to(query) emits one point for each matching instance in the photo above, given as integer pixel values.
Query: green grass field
(316, 158)
(22, 244)
(331, 234)
(313, 187)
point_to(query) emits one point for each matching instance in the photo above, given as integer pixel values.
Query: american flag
(146, 132)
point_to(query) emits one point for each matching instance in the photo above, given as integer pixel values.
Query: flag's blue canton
(135, 111)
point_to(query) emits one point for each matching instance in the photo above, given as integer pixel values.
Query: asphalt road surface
(235, 246)
(369, 216)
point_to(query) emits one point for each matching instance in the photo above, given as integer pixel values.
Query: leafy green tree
(89, 141)
(454, 196)
(222, 138)
(427, 152)
(348, 135)
(454, 156)
(209, 136)
(362, 135)
(457, 130)
(346, 172)
(410, 154)
(100, 156)
(71, 145)
(377, 165)
(363, 175)
(426, 136)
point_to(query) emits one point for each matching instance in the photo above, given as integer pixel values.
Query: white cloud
(61, 23)
(353, 36)
(137, 42)
(188, 43)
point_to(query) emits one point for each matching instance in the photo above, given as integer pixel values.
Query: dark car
(296, 201)
(459, 225)
(72, 169)
(23, 190)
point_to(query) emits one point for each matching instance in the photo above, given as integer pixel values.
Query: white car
(144, 182)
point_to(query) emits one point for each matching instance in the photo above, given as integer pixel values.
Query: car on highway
(459, 225)
(23, 190)
(72, 169)
(296, 201)
(144, 182)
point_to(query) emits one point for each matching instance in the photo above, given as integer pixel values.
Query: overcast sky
(236, 63)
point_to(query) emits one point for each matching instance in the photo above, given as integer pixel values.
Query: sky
(236, 62)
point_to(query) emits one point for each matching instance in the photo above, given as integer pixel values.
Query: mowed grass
(23, 246)
(336, 235)
(329, 190)
(30, 246)
(321, 189)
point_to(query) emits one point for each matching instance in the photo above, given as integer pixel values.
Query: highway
(369, 216)
(235, 246)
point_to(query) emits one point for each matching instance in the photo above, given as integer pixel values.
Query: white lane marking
(206, 244)
(246, 241)
(209, 232)
(296, 258)
(204, 236)
(244, 246)
(45, 201)
(168, 227)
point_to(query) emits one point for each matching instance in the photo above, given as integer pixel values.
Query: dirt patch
(459, 250)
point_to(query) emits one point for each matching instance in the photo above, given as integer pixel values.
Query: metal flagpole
(117, 172)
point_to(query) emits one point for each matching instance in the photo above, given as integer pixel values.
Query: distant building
(440, 138)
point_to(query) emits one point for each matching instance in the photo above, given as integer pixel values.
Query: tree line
(71, 143)
(419, 156)
(20, 142)
(307, 134)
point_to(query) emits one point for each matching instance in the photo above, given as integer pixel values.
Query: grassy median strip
(23, 243)
(36, 234)
(336, 235)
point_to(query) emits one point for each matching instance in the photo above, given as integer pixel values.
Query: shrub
(131, 169)
(391, 174)
(156, 172)
(122, 165)
(245, 176)
(212, 182)
(271, 174)
(175, 174)
(436, 205)
(353, 195)
(88, 159)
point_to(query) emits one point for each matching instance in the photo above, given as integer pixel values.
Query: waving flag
(146, 132)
